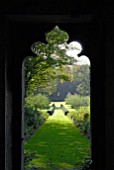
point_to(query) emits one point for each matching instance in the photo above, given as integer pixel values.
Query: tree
(79, 82)
(43, 70)
(82, 78)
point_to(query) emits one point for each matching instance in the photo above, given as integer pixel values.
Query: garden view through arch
(57, 104)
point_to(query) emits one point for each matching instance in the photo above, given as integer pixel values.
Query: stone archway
(17, 48)
(74, 49)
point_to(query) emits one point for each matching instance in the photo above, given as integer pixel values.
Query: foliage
(77, 101)
(86, 164)
(41, 70)
(34, 117)
(38, 101)
(81, 76)
(28, 156)
(57, 36)
(81, 118)
(78, 83)
(37, 75)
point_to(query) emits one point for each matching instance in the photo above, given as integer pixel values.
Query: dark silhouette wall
(109, 93)
(17, 33)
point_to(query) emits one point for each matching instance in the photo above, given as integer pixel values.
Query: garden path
(58, 144)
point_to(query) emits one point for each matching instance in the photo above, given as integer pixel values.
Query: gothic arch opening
(21, 33)
(56, 67)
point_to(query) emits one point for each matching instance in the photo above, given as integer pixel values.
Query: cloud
(73, 49)
(82, 60)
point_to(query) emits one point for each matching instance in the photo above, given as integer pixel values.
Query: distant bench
(51, 109)
(64, 109)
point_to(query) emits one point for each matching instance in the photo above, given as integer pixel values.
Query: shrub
(38, 101)
(81, 118)
(77, 101)
(33, 117)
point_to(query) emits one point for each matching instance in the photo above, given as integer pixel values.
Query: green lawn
(58, 144)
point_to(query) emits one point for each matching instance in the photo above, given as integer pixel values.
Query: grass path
(58, 144)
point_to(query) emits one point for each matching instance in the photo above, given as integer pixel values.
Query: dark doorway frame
(21, 32)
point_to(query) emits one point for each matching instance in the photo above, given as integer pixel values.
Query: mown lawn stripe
(58, 143)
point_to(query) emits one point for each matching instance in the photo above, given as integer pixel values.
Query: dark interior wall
(2, 91)
(20, 36)
(51, 7)
(109, 93)
(15, 38)
(8, 102)
(97, 94)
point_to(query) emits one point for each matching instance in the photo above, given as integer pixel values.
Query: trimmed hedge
(76, 101)
(33, 117)
(81, 118)
(33, 122)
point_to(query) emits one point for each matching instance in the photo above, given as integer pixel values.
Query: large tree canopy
(43, 70)
(79, 83)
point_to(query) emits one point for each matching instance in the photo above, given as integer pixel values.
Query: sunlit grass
(58, 143)
(57, 104)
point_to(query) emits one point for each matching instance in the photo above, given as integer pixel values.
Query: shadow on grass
(57, 144)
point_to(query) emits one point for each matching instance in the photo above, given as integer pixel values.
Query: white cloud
(74, 49)
(82, 60)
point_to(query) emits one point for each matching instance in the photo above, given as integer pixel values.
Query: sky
(82, 60)
(74, 49)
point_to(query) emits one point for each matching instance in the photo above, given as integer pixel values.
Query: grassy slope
(58, 144)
